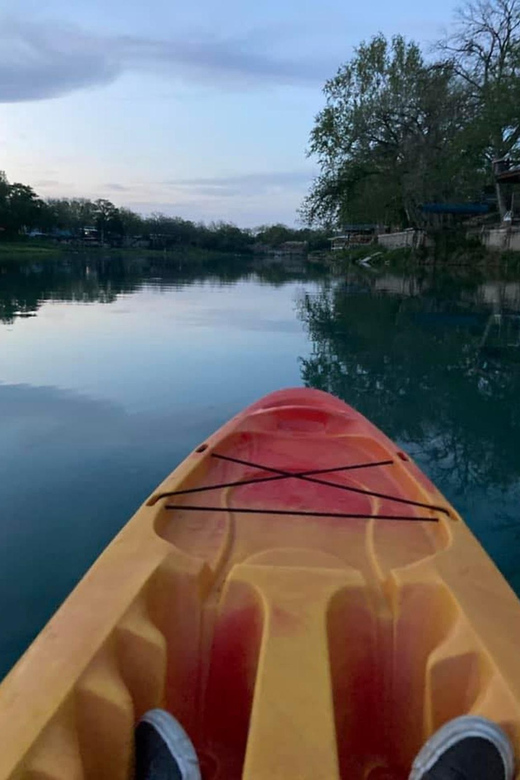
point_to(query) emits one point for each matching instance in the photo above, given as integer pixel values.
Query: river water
(112, 370)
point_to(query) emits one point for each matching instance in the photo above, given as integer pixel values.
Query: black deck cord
(348, 488)
(252, 481)
(295, 512)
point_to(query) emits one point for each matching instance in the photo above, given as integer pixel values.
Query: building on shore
(353, 236)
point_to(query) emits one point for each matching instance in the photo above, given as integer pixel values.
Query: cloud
(245, 212)
(242, 185)
(238, 61)
(44, 183)
(248, 199)
(43, 61)
(46, 60)
(113, 186)
(249, 179)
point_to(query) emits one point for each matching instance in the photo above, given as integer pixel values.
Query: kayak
(296, 593)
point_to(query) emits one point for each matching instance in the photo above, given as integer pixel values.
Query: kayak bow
(300, 597)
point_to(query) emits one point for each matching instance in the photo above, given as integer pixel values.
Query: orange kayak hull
(297, 593)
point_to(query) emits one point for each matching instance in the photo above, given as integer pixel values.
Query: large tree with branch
(387, 137)
(484, 51)
(399, 129)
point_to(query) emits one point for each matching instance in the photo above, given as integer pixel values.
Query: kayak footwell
(323, 643)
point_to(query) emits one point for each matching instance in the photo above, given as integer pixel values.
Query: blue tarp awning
(455, 208)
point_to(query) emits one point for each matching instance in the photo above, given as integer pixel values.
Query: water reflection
(73, 469)
(434, 360)
(126, 364)
(24, 286)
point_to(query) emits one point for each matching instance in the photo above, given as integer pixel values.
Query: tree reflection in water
(419, 356)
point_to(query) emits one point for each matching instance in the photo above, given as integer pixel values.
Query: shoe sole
(176, 740)
(456, 730)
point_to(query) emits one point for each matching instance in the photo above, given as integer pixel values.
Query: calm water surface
(111, 371)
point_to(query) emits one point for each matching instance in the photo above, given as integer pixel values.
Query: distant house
(353, 235)
(507, 175)
(90, 236)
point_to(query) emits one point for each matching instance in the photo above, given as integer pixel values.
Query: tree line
(402, 127)
(22, 211)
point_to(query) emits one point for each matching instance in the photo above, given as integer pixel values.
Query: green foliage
(276, 235)
(22, 211)
(484, 52)
(70, 213)
(19, 206)
(399, 129)
(107, 219)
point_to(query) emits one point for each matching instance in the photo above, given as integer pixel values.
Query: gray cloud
(269, 178)
(248, 199)
(38, 61)
(242, 185)
(243, 211)
(46, 60)
(115, 187)
(234, 62)
(47, 183)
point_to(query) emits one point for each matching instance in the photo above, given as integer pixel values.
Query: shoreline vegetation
(29, 223)
(370, 257)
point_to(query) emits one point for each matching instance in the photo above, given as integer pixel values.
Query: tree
(226, 237)
(107, 218)
(20, 207)
(23, 208)
(132, 224)
(484, 51)
(170, 231)
(4, 192)
(71, 213)
(387, 137)
(274, 235)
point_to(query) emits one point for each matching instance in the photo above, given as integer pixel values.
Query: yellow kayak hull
(296, 593)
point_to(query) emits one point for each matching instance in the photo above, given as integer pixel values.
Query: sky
(199, 108)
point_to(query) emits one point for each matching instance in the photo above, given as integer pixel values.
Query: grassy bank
(26, 249)
(40, 249)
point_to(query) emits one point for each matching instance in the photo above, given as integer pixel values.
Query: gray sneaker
(163, 750)
(466, 748)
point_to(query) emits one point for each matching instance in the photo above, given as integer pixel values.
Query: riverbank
(36, 249)
(370, 255)
(375, 256)
(29, 249)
